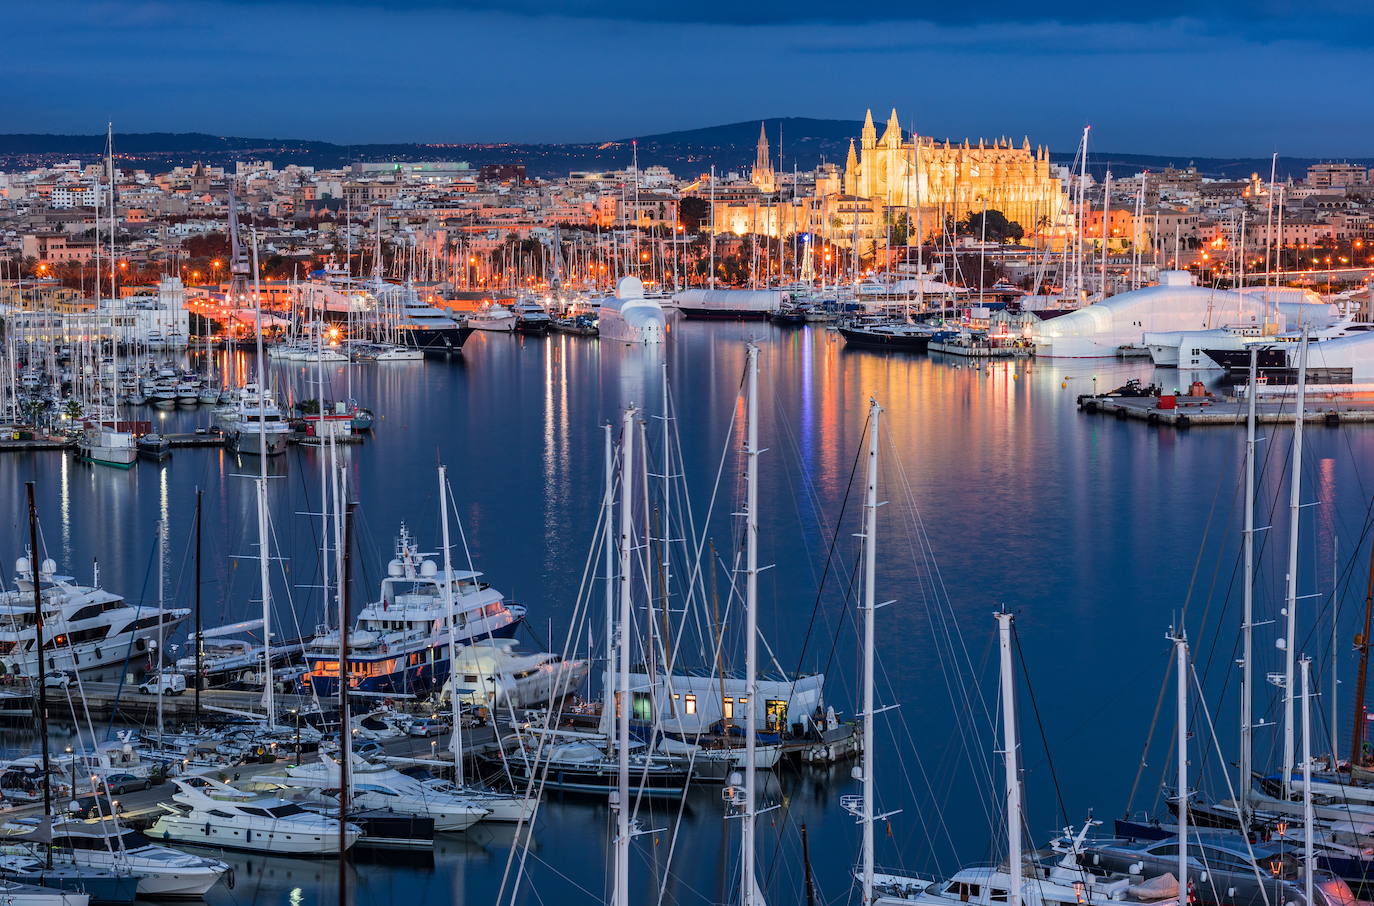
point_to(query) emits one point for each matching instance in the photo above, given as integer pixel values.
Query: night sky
(1218, 77)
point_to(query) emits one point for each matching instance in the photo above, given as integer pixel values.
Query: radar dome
(394, 569)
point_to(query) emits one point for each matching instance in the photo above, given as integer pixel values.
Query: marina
(474, 496)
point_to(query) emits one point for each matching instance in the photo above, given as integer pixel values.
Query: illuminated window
(691, 702)
(728, 708)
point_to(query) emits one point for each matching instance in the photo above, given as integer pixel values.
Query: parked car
(97, 806)
(119, 784)
(172, 684)
(57, 679)
(427, 726)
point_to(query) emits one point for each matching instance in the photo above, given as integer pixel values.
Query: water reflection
(1091, 529)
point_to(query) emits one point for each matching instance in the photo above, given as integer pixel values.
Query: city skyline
(1223, 81)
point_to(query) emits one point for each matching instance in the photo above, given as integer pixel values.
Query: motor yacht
(212, 813)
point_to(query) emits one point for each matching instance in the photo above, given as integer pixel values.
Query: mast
(711, 278)
(345, 734)
(35, 572)
(161, 605)
(1291, 598)
(1307, 818)
(750, 895)
(200, 644)
(264, 576)
(623, 703)
(1011, 751)
(1362, 643)
(870, 605)
(608, 548)
(1180, 641)
(456, 740)
(1247, 628)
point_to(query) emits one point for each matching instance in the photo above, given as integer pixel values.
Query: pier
(1189, 411)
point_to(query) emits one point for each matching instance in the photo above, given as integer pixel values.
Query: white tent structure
(1175, 304)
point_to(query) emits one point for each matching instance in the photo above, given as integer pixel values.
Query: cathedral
(951, 179)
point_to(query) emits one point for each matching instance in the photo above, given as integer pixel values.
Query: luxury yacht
(212, 813)
(375, 786)
(86, 627)
(400, 642)
(257, 419)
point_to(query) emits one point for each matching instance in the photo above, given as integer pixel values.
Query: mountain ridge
(806, 141)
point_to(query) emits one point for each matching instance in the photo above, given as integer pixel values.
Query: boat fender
(1135, 868)
(229, 879)
(1182, 422)
(1152, 418)
(1120, 413)
(248, 836)
(1333, 418)
(207, 829)
(260, 751)
(140, 644)
(1231, 892)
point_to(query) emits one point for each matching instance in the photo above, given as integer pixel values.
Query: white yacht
(85, 626)
(161, 871)
(100, 443)
(492, 673)
(13, 893)
(212, 813)
(256, 419)
(400, 642)
(493, 317)
(377, 786)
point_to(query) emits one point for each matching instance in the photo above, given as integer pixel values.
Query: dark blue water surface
(1095, 532)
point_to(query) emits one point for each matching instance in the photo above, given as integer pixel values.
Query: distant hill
(805, 142)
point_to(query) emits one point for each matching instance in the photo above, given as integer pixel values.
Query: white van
(171, 683)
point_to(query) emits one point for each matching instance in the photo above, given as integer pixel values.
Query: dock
(1190, 411)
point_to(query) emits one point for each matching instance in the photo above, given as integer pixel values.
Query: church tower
(868, 138)
(763, 177)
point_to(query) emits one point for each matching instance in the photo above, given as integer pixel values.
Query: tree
(999, 228)
(694, 212)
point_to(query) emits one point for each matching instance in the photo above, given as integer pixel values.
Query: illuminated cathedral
(945, 178)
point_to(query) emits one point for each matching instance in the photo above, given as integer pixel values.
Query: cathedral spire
(892, 135)
(868, 138)
(763, 176)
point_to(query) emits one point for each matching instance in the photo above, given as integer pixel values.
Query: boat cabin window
(219, 814)
(469, 677)
(727, 708)
(997, 895)
(965, 892)
(691, 702)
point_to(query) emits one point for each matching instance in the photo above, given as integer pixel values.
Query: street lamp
(72, 757)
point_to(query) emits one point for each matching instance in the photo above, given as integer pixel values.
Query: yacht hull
(863, 339)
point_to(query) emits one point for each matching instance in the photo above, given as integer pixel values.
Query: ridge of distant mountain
(731, 146)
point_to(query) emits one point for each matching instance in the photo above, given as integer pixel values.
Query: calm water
(1095, 532)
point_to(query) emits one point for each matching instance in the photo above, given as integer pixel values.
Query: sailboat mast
(200, 643)
(345, 733)
(1247, 629)
(161, 605)
(456, 740)
(1308, 829)
(750, 894)
(608, 549)
(264, 576)
(870, 537)
(35, 571)
(623, 704)
(1291, 597)
(1362, 643)
(1011, 752)
(1180, 641)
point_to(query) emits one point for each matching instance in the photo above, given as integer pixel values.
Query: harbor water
(1098, 534)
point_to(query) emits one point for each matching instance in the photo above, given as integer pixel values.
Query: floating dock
(1189, 411)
